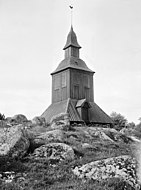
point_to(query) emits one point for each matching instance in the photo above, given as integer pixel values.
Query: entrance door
(85, 115)
(85, 112)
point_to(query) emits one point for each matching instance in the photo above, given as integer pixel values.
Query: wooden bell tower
(72, 78)
(72, 88)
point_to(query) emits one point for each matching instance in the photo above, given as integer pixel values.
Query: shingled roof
(66, 106)
(96, 114)
(72, 62)
(71, 40)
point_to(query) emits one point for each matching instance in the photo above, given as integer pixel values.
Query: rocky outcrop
(86, 145)
(50, 145)
(47, 137)
(39, 121)
(54, 151)
(13, 142)
(55, 126)
(117, 136)
(4, 124)
(62, 118)
(118, 167)
(17, 119)
(107, 134)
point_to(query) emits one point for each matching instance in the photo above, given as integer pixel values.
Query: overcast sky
(33, 34)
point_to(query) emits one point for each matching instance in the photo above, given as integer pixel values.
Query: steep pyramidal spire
(72, 47)
(72, 40)
(72, 59)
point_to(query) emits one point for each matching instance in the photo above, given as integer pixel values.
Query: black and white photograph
(70, 94)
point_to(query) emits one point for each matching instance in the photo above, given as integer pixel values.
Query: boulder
(103, 136)
(117, 136)
(62, 118)
(36, 130)
(135, 139)
(18, 119)
(47, 137)
(4, 124)
(86, 146)
(93, 133)
(40, 139)
(122, 167)
(56, 126)
(54, 151)
(107, 134)
(39, 121)
(13, 142)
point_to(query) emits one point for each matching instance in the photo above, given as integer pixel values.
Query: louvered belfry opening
(72, 47)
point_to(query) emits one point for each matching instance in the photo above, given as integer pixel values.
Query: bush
(119, 121)
(2, 116)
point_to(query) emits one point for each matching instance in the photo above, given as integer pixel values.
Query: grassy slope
(45, 175)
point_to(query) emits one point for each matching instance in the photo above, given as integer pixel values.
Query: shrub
(119, 120)
(2, 116)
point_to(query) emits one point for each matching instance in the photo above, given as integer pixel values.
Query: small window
(56, 82)
(64, 80)
(87, 93)
(86, 81)
(76, 77)
(76, 92)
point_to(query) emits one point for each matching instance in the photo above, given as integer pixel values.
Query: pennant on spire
(71, 7)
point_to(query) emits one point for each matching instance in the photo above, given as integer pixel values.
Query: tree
(137, 131)
(119, 120)
(131, 125)
(2, 116)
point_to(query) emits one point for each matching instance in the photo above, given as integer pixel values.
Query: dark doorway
(85, 112)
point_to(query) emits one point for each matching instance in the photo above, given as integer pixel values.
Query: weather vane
(71, 7)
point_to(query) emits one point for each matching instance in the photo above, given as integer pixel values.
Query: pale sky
(33, 34)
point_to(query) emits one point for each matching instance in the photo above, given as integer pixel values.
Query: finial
(71, 7)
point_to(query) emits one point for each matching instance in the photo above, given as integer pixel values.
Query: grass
(45, 175)
(42, 176)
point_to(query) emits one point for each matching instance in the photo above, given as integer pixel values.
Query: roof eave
(71, 45)
(55, 72)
